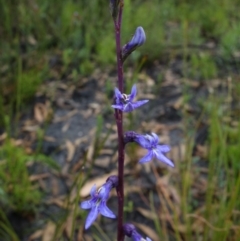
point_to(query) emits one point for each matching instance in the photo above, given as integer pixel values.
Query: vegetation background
(45, 41)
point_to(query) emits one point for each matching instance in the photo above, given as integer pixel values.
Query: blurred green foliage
(17, 191)
(202, 66)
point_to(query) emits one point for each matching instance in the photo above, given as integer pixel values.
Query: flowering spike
(98, 200)
(131, 232)
(150, 142)
(125, 102)
(137, 40)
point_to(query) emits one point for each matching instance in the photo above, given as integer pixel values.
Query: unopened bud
(130, 231)
(113, 180)
(114, 4)
(137, 40)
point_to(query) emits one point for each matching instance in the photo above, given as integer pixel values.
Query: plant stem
(119, 123)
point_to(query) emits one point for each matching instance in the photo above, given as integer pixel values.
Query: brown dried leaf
(3, 136)
(36, 235)
(147, 213)
(201, 151)
(86, 237)
(178, 103)
(65, 169)
(57, 201)
(40, 112)
(16, 142)
(71, 150)
(32, 40)
(77, 166)
(106, 151)
(180, 227)
(69, 224)
(177, 152)
(86, 113)
(94, 105)
(49, 231)
(90, 151)
(192, 83)
(66, 126)
(55, 186)
(32, 128)
(169, 192)
(103, 162)
(65, 117)
(38, 176)
(170, 78)
(49, 139)
(132, 189)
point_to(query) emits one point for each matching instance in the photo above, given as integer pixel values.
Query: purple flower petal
(138, 38)
(155, 139)
(128, 107)
(93, 190)
(148, 239)
(163, 158)
(105, 190)
(120, 107)
(143, 141)
(139, 103)
(163, 148)
(86, 204)
(118, 94)
(133, 93)
(105, 211)
(150, 155)
(136, 236)
(91, 217)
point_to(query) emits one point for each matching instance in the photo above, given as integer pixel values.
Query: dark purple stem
(119, 123)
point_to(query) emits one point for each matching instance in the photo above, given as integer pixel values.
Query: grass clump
(202, 67)
(19, 193)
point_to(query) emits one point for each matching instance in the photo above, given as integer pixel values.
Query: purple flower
(131, 232)
(97, 202)
(137, 40)
(150, 142)
(125, 102)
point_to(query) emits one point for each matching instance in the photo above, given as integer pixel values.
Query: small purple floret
(150, 142)
(125, 102)
(97, 202)
(131, 232)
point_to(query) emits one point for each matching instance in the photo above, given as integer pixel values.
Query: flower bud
(113, 5)
(130, 231)
(129, 136)
(137, 40)
(113, 180)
